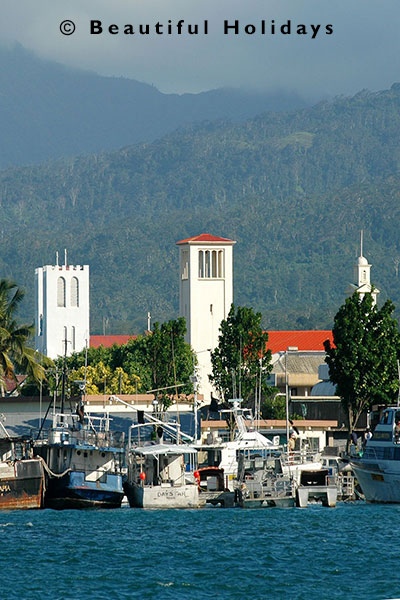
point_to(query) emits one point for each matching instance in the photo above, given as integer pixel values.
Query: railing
(299, 457)
(83, 437)
(270, 487)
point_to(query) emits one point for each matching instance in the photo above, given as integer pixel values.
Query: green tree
(363, 358)
(241, 355)
(15, 354)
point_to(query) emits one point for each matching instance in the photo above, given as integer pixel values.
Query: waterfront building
(205, 295)
(61, 308)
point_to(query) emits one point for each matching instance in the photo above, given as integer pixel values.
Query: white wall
(51, 319)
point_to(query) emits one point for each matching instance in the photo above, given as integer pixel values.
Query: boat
(163, 476)
(377, 468)
(21, 475)
(250, 451)
(83, 461)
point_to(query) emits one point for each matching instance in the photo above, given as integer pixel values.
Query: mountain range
(294, 188)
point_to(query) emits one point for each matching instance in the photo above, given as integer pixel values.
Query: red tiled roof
(279, 341)
(206, 237)
(109, 340)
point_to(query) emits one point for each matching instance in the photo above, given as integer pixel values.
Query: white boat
(378, 469)
(162, 476)
(255, 451)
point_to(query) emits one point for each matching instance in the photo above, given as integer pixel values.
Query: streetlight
(288, 349)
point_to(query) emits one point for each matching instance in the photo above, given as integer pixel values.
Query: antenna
(361, 242)
(65, 258)
(57, 258)
(148, 321)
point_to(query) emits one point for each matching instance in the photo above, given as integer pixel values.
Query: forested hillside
(294, 189)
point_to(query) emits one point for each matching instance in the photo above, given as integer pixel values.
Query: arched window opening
(207, 266)
(61, 291)
(214, 263)
(201, 264)
(74, 291)
(221, 264)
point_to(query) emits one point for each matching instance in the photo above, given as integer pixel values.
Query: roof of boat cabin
(171, 449)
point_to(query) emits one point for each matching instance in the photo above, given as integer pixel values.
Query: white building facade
(205, 296)
(61, 309)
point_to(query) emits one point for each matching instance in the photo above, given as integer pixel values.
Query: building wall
(53, 320)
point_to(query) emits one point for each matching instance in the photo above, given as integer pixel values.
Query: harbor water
(351, 551)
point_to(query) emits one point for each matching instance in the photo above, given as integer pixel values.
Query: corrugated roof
(279, 341)
(109, 340)
(206, 237)
(300, 362)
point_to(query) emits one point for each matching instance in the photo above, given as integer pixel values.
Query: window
(61, 291)
(207, 265)
(220, 264)
(74, 291)
(211, 264)
(201, 264)
(185, 264)
(214, 263)
(73, 338)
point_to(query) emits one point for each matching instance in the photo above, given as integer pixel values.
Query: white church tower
(61, 308)
(362, 277)
(205, 295)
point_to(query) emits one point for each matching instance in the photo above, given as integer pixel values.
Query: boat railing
(82, 437)
(378, 453)
(269, 487)
(299, 457)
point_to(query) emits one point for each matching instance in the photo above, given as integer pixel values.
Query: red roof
(206, 237)
(279, 341)
(109, 340)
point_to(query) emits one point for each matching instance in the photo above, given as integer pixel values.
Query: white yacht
(378, 469)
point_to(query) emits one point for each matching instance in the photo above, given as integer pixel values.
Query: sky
(362, 52)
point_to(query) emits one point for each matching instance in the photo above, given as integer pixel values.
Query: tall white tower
(362, 277)
(205, 295)
(61, 308)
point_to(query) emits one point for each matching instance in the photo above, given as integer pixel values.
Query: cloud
(362, 52)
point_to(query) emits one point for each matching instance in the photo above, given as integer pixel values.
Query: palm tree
(14, 352)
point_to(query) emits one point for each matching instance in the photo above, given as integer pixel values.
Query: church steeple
(362, 276)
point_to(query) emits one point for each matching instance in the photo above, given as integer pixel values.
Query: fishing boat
(163, 476)
(21, 475)
(378, 468)
(83, 461)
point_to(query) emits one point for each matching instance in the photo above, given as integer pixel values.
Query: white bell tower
(205, 295)
(362, 277)
(61, 308)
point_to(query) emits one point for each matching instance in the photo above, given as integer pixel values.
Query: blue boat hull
(73, 491)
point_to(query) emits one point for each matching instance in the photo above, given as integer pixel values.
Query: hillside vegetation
(294, 189)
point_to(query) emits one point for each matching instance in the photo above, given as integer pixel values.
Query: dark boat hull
(73, 491)
(24, 487)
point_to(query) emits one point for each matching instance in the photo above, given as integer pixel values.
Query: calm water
(352, 551)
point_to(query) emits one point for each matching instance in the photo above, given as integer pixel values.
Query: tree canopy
(241, 356)
(15, 354)
(363, 358)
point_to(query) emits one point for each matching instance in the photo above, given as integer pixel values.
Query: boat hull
(74, 491)
(184, 496)
(21, 484)
(379, 483)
